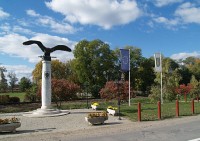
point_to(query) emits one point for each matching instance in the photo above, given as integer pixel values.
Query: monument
(46, 109)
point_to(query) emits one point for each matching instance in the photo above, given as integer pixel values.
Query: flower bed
(96, 118)
(9, 125)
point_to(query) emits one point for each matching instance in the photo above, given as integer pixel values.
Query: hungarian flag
(125, 60)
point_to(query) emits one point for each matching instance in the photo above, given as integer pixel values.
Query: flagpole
(161, 89)
(129, 81)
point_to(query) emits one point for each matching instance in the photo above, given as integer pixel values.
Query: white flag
(158, 62)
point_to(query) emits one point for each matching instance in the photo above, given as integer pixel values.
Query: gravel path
(73, 126)
(75, 121)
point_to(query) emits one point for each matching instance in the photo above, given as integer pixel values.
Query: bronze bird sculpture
(47, 51)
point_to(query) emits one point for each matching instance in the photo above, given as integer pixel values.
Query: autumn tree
(183, 90)
(112, 91)
(59, 70)
(63, 90)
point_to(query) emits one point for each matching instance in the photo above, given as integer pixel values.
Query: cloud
(188, 13)
(104, 13)
(161, 3)
(167, 22)
(19, 70)
(3, 14)
(184, 55)
(12, 44)
(57, 27)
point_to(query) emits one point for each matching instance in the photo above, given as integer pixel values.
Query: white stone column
(46, 84)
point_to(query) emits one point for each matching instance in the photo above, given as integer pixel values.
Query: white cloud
(166, 21)
(19, 70)
(188, 13)
(32, 13)
(161, 3)
(12, 44)
(8, 29)
(57, 27)
(184, 55)
(104, 13)
(3, 14)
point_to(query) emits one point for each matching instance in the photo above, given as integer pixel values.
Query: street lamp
(119, 83)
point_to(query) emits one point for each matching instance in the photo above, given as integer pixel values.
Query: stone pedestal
(46, 108)
(46, 84)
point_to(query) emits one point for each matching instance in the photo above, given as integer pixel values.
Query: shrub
(63, 90)
(31, 94)
(14, 100)
(4, 99)
(111, 91)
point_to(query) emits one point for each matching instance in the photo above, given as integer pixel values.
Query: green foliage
(195, 90)
(14, 99)
(3, 80)
(4, 99)
(94, 63)
(155, 93)
(24, 84)
(13, 80)
(31, 94)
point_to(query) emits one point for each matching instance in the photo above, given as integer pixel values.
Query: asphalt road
(182, 130)
(177, 129)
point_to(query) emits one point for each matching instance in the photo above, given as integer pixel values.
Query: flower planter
(96, 120)
(9, 127)
(94, 107)
(112, 112)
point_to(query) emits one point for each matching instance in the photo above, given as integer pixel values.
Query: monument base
(39, 113)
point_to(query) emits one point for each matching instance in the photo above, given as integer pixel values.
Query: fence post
(192, 106)
(139, 111)
(159, 110)
(177, 108)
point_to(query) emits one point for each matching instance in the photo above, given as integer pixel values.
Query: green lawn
(15, 94)
(148, 110)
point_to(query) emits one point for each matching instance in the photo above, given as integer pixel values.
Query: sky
(171, 27)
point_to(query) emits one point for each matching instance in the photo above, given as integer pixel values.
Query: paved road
(188, 131)
(178, 129)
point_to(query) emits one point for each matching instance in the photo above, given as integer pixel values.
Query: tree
(59, 70)
(184, 89)
(63, 90)
(171, 79)
(195, 90)
(111, 91)
(195, 68)
(13, 80)
(24, 84)
(94, 63)
(3, 80)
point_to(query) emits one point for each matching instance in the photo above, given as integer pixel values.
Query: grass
(148, 110)
(21, 95)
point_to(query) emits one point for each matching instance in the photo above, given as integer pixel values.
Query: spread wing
(42, 47)
(61, 47)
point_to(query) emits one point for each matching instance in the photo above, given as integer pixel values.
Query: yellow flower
(95, 104)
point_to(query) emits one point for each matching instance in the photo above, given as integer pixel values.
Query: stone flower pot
(112, 112)
(95, 120)
(9, 127)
